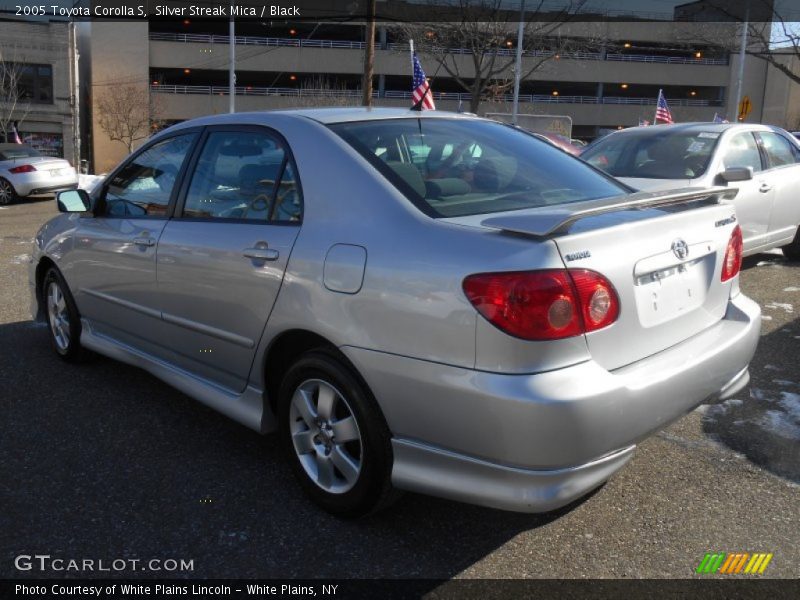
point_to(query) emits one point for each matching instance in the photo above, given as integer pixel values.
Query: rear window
(654, 154)
(17, 151)
(453, 168)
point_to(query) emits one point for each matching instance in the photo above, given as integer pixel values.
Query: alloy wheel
(325, 436)
(57, 315)
(6, 192)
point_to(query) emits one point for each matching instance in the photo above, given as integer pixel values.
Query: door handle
(764, 187)
(261, 253)
(144, 241)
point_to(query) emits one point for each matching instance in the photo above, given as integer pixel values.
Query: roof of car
(11, 146)
(697, 127)
(321, 115)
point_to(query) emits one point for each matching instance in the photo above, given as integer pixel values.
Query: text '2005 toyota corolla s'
(419, 301)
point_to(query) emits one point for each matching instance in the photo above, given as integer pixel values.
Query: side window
(142, 188)
(742, 151)
(779, 150)
(243, 175)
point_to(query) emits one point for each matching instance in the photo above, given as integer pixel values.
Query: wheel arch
(45, 264)
(285, 349)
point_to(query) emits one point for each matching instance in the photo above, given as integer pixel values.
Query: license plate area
(55, 172)
(671, 292)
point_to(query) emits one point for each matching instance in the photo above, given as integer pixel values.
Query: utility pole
(518, 63)
(734, 118)
(369, 56)
(232, 65)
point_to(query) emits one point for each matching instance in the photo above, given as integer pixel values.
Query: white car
(762, 162)
(25, 172)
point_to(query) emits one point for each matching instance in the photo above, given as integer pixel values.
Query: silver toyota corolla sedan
(24, 172)
(762, 162)
(421, 301)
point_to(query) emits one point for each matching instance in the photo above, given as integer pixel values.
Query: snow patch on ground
(717, 410)
(783, 305)
(766, 318)
(791, 289)
(785, 382)
(21, 259)
(769, 263)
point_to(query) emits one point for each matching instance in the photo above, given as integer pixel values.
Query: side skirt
(247, 408)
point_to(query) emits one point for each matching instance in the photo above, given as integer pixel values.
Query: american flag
(718, 119)
(643, 122)
(421, 89)
(15, 134)
(662, 110)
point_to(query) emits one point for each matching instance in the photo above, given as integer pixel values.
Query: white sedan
(25, 172)
(762, 162)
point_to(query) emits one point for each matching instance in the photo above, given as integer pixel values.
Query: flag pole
(411, 53)
(655, 116)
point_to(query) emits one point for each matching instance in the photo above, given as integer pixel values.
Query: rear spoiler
(548, 221)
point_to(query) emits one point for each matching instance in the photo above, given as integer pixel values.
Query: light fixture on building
(186, 21)
(698, 55)
(627, 44)
(187, 71)
(429, 34)
(693, 93)
(620, 127)
(624, 86)
(155, 83)
(293, 32)
(509, 43)
(555, 92)
(292, 77)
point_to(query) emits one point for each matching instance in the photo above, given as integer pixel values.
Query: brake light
(733, 255)
(544, 305)
(22, 169)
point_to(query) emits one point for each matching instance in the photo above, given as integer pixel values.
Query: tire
(792, 251)
(7, 193)
(342, 457)
(63, 319)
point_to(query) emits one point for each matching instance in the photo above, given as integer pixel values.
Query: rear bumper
(41, 182)
(535, 442)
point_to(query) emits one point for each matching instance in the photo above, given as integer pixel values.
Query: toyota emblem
(680, 248)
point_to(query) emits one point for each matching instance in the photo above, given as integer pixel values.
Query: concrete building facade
(44, 114)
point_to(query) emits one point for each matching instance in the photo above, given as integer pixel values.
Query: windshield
(653, 154)
(17, 151)
(453, 168)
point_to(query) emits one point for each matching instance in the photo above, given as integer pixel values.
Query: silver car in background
(762, 162)
(420, 301)
(25, 172)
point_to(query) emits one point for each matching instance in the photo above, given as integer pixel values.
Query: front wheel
(7, 193)
(62, 317)
(792, 251)
(334, 436)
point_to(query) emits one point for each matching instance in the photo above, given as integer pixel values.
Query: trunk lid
(57, 166)
(663, 258)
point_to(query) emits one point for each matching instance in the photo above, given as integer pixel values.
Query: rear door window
(243, 175)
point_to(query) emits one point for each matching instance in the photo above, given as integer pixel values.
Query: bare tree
(129, 113)
(322, 91)
(773, 35)
(478, 50)
(14, 106)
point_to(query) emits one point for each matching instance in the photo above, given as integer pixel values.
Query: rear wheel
(7, 193)
(792, 251)
(62, 317)
(334, 436)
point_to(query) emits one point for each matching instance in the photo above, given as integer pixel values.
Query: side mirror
(737, 174)
(74, 201)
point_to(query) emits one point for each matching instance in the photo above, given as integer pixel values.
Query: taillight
(22, 169)
(733, 255)
(544, 305)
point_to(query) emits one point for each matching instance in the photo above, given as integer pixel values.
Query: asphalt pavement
(103, 461)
